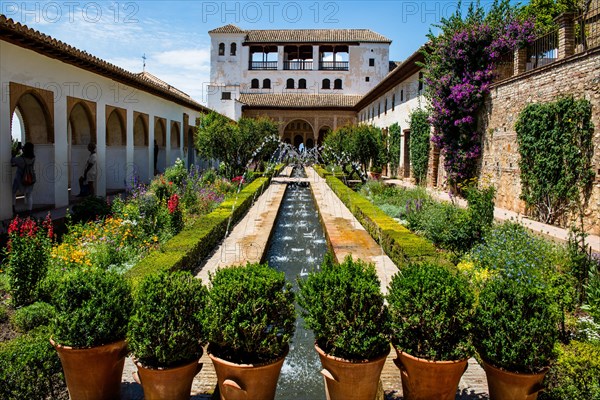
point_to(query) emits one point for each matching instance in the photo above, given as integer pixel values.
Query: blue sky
(173, 34)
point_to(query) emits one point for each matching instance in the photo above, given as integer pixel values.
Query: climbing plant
(420, 131)
(395, 136)
(460, 66)
(556, 149)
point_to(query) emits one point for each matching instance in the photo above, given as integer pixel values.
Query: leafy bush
(481, 206)
(516, 324)
(30, 368)
(250, 316)
(431, 312)
(593, 290)
(576, 374)
(177, 173)
(28, 258)
(420, 137)
(165, 329)
(32, 316)
(449, 227)
(344, 307)
(558, 179)
(90, 208)
(92, 308)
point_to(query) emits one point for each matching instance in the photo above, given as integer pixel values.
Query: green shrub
(344, 307)
(250, 316)
(431, 312)
(449, 227)
(30, 368)
(90, 208)
(32, 316)
(177, 173)
(3, 313)
(576, 374)
(481, 207)
(92, 308)
(593, 290)
(28, 258)
(516, 324)
(165, 329)
(420, 136)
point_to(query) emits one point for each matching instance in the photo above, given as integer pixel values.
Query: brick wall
(578, 76)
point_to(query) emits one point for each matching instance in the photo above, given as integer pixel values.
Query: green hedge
(195, 242)
(400, 244)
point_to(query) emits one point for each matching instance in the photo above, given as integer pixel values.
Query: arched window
(267, 84)
(221, 49)
(337, 84)
(302, 84)
(233, 49)
(254, 84)
(326, 84)
(290, 84)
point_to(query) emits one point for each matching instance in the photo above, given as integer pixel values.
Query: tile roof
(299, 100)
(23, 36)
(305, 35)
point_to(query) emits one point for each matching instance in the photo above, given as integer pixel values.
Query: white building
(297, 62)
(65, 98)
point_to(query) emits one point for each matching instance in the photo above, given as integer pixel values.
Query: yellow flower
(465, 266)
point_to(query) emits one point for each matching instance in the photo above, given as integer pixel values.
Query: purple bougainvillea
(460, 67)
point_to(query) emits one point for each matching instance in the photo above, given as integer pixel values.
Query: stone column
(520, 61)
(151, 147)
(315, 58)
(280, 58)
(130, 160)
(61, 156)
(566, 35)
(5, 153)
(167, 142)
(101, 149)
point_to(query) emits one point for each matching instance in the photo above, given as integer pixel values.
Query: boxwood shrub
(32, 316)
(92, 308)
(250, 316)
(30, 368)
(516, 324)
(165, 329)
(431, 311)
(344, 307)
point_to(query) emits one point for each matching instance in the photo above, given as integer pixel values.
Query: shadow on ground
(133, 391)
(465, 394)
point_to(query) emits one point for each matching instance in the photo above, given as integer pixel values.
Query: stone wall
(577, 76)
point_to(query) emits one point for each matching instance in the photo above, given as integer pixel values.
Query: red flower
(14, 225)
(47, 224)
(173, 203)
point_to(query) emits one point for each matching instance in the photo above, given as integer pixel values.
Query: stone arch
(191, 148)
(323, 131)
(160, 135)
(140, 146)
(81, 131)
(35, 108)
(17, 119)
(175, 141)
(297, 131)
(116, 154)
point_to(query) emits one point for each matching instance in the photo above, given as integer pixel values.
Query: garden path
(501, 214)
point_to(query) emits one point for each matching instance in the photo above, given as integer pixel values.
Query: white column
(101, 149)
(316, 58)
(5, 153)
(130, 162)
(402, 144)
(280, 58)
(181, 141)
(168, 143)
(61, 156)
(151, 147)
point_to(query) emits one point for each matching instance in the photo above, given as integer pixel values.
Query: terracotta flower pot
(247, 381)
(346, 380)
(504, 385)
(429, 380)
(168, 383)
(94, 373)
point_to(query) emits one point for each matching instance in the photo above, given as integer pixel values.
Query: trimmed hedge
(195, 242)
(400, 244)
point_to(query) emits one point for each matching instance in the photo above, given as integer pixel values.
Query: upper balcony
(263, 65)
(334, 65)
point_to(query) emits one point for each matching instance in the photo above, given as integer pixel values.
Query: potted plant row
(344, 307)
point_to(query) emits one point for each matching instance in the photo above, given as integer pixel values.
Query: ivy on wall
(556, 149)
(420, 131)
(395, 141)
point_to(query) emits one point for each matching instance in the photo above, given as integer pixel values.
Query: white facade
(364, 65)
(60, 161)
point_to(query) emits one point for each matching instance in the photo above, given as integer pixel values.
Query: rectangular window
(402, 96)
(225, 95)
(367, 79)
(371, 62)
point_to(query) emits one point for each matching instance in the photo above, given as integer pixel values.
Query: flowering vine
(460, 67)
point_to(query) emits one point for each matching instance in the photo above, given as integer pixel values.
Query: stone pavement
(500, 214)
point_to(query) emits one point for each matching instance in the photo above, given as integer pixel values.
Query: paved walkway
(550, 231)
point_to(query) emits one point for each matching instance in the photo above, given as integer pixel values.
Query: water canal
(298, 245)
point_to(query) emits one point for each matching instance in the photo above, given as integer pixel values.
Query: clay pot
(168, 383)
(504, 385)
(429, 380)
(247, 381)
(94, 373)
(346, 380)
